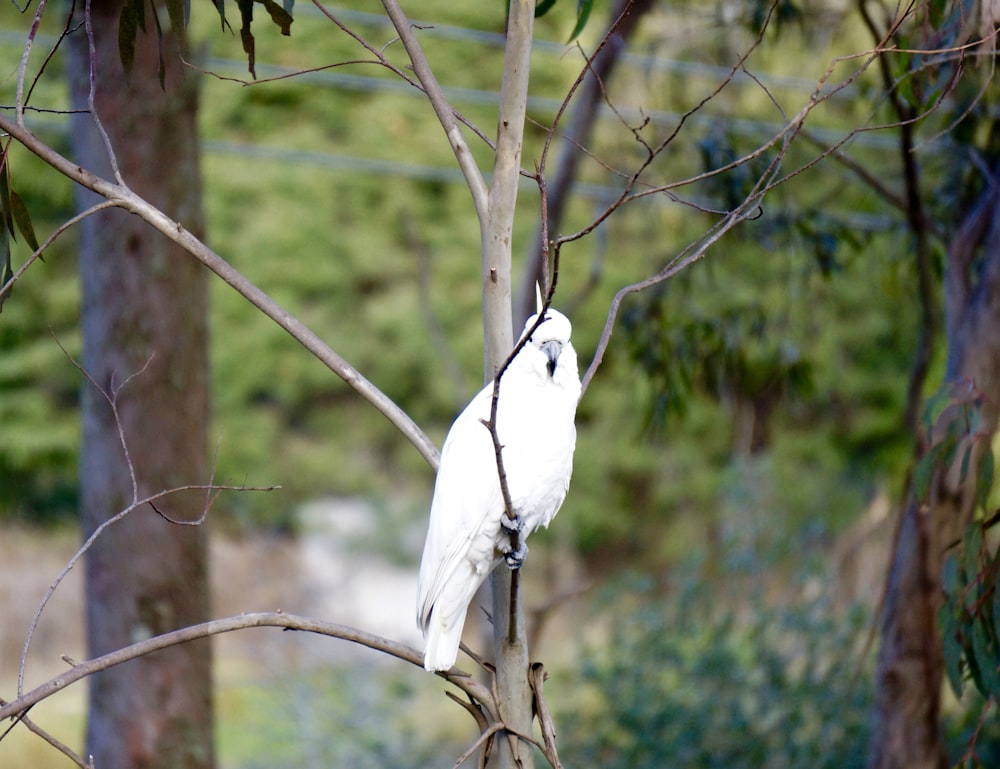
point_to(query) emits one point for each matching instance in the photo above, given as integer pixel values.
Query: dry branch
(278, 619)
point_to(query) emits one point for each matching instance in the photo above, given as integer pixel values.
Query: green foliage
(583, 9)
(39, 388)
(684, 681)
(970, 616)
(969, 622)
(298, 198)
(362, 715)
(13, 213)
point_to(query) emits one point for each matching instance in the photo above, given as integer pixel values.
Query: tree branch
(443, 110)
(126, 199)
(277, 619)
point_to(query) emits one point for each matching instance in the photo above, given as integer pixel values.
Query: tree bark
(910, 663)
(144, 313)
(514, 697)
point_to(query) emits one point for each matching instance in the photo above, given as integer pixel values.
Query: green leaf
(282, 19)
(984, 646)
(220, 8)
(161, 68)
(543, 7)
(128, 27)
(5, 212)
(923, 473)
(952, 647)
(984, 478)
(139, 6)
(996, 597)
(972, 547)
(246, 35)
(934, 405)
(178, 21)
(951, 577)
(6, 271)
(22, 219)
(583, 9)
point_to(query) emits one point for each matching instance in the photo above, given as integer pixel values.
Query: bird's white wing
(538, 396)
(465, 514)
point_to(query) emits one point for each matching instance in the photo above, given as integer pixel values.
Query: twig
(536, 677)
(121, 196)
(43, 247)
(92, 96)
(211, 489)
(443, 110)
(487, 734)
(23, 66)
(34, 728)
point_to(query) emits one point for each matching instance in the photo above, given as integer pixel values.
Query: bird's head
(551, 337)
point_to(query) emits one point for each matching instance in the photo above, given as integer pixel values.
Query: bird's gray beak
(552, 349)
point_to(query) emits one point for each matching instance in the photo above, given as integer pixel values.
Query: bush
(684, 684)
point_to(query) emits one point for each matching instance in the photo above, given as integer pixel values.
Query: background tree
(145, 341)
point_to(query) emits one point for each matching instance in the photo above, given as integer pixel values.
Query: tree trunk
(910, 663)
(144, 302)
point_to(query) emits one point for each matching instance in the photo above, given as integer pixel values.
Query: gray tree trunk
(143, 300)
(910, 663)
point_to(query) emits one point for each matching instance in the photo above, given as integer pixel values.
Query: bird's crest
(538, 298)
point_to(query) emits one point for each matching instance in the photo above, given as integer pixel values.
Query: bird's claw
(514, 558)
(512, 525)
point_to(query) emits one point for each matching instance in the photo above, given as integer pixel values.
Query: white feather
(535, 425)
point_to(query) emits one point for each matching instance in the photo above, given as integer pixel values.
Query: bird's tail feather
(441, 650)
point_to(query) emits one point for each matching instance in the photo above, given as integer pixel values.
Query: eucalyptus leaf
(951, 577)
(995, 600)
(583, 9)
(19, 211)
(923, 473)
(6, 271)
(282, 18)
(543, 7)
(220, 7)
(935, 404)
(972, 548)
(984, 478)
(984, 646)
(5, 212)
(246, 34)
(178, 20)
(952, 648)
(128, 26)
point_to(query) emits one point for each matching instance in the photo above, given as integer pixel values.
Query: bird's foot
(512, 525)
(514, 558)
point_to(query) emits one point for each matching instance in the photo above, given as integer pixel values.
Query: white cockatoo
(469, 533)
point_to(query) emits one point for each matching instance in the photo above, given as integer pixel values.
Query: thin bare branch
(92, 98)
(382, 60)
(443, 110)
(486, 735)
(124, 198)
(23, 66)
(537, 676)
(34, 728)
(275, 619)
(43, 247)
